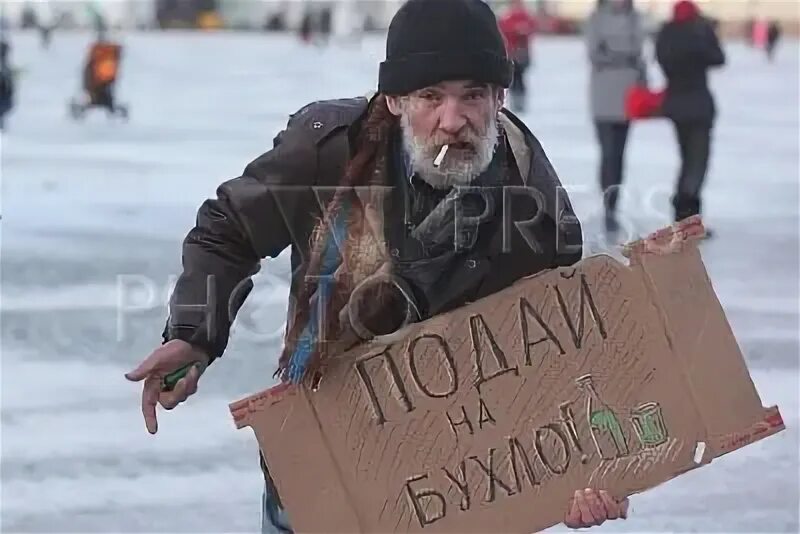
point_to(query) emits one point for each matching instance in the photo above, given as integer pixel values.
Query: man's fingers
(167, 358)
(623, 508)
(573, 517)
(170, 399)
(144, 369)
(596, 507)
(184, 388)
(612, 506)
(587, 519)
(192, 378)
(167, 355)
(150, 391)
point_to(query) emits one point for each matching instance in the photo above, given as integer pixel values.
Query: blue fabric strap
(331, 258)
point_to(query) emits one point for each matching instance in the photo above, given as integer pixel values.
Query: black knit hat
(432, 41)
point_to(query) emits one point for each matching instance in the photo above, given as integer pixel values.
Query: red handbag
(643, 103)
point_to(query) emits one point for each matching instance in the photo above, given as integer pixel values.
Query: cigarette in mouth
(440, 157)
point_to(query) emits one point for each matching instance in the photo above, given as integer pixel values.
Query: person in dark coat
(773, 36)
(442, 83)
(306, 27)
(325, 24)
(615, 37)
(7, 83)
(686, 48)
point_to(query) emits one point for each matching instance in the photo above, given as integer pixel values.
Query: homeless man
(441, 85)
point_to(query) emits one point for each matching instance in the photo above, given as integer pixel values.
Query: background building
(559, 16)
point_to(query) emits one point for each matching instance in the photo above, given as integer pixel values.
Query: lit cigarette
(440, 157)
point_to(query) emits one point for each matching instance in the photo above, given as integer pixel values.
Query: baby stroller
(99, 79)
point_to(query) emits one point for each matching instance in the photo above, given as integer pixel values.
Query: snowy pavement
(93, 215)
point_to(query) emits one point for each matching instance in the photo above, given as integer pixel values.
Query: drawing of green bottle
(602, 420)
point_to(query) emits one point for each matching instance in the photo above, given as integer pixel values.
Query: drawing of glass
(648, 422)
(602, 419)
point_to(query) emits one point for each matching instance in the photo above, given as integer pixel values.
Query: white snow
(83, 203)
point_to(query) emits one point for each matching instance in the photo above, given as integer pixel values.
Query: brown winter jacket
(271, 206)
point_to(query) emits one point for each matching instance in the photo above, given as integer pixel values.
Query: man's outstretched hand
(590, 508)
(166, 359)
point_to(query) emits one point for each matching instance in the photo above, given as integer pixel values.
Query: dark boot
(685, 206)
(611, 223)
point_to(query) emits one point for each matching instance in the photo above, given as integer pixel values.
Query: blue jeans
(273, 517)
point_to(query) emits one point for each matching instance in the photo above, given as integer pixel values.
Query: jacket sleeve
(251, 218)
(714, 55)
(667, 53)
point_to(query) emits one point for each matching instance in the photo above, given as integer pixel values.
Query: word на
(484, 344)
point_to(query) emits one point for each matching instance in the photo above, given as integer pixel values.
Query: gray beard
(459, 168)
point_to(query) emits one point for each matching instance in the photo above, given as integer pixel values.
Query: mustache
(468, 135)
(471, 138)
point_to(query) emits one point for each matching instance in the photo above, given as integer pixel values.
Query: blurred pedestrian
(437, 123)
(686, 48)
(518, 26)
(7, 83)
(100, 73)
(45, 34)
(773, 36)
(760, 32)
(306, 28)
(749, 31)
(325, 25)
(615, 37)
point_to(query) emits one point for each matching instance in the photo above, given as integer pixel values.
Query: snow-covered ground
(93, 214)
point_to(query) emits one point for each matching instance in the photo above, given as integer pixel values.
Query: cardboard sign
(488, 418)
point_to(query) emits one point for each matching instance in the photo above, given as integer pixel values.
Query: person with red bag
(615, 38)
(687, 47)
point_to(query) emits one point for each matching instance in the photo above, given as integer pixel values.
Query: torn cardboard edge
(772, 423)
(242, 409)
(668, 240)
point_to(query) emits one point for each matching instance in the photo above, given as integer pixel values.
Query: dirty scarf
(447, 231)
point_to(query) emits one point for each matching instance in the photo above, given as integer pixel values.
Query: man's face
(461, 114)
